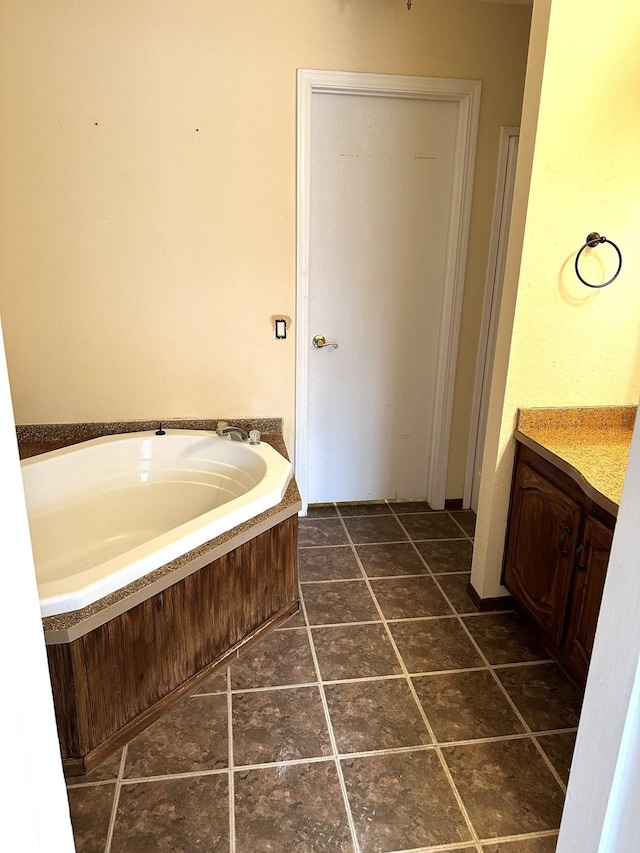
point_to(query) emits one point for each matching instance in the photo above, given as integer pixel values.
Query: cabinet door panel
(543, 530)
(591, 570)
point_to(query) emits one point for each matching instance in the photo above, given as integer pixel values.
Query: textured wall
(561, 343)
(147, 214)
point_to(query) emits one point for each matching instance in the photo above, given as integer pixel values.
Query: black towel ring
(593, 240)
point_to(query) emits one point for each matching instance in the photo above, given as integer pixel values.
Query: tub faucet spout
(235, 433)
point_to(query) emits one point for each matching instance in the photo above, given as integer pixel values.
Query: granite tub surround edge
(66, 627)
(590, 444)
(38, 438)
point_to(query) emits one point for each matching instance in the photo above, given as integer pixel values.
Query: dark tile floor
(389, 715)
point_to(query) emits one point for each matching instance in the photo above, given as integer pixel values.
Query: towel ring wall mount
(594, 239)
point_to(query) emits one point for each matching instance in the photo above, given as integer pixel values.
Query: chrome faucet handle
(254, 436)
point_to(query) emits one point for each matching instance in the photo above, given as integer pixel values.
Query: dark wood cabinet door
(590, 573)
(543, 532)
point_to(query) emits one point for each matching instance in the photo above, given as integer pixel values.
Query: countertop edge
(577, 476)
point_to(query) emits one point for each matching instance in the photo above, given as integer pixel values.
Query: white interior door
(382, 245)
(381, 175)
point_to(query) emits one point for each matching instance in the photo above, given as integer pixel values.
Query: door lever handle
(320, 341)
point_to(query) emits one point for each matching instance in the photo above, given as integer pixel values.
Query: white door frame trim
(466, 93)
(505, 176)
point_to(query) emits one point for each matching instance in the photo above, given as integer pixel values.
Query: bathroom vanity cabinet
(557, 551)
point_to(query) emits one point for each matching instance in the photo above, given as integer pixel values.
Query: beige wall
(561, 343)
(147, 221)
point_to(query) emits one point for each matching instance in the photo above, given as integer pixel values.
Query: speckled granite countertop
(39, 438)
(590, 444)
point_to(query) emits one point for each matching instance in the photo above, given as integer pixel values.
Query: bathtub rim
(59, 630)
(66, 627)
(64, 477)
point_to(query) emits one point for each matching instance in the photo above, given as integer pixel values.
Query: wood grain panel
(114, 681)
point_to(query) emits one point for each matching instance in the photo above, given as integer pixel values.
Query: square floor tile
(543, 695)
(191, 737)
(466, 518)
(396, 558)
(90, 808)
(374, 528)
(321, 531)
(294, 621)
(216, 683)
(290, 809)
(283, 657)
(447, 555)
(321, 511)
(355, 651)
(409, 598)
(545, 844)
(465, 706)
(374, 508)
(431, 525)
(559, 750)
(339, 601)
(455, 588)
(373, 715)
(279, 725)
(189, 813)
(504, 638)
(506, 787)
(402, 800)
(402, 507)
(432, 645)
(106, 771)
(328, 564)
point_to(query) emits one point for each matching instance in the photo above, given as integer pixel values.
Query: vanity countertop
(591, 444)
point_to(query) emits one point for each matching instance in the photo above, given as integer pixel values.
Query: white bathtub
(106, 512)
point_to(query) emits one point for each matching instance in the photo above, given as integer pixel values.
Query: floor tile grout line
(528, 732)
(450, 513)
(523, 836)
(502, 688)
(187, 774)
(230, 769)
(332, 737)
(421, 556)
(393, 621)
(511, 702)
(384, 577)
(236, 691)
(455, 520)
(421, 710)
(519, 716)
(311, 545)
(531, 733)
(547, 760)
(442, 848)
(531, 663)
(422, 747)
(468, 845)
(290, 762)
(116, 800)
(403, 576)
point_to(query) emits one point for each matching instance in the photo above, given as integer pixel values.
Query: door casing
(507, 158)
(466, 94)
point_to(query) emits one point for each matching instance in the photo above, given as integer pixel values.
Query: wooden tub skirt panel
(113, 682)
